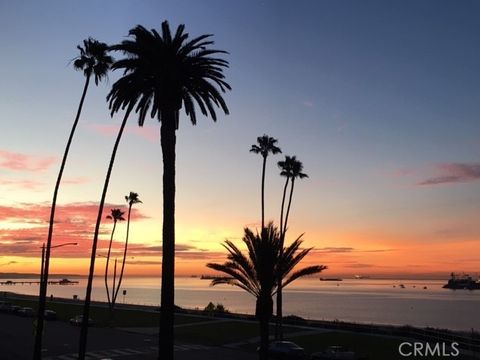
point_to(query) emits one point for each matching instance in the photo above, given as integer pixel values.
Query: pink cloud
(150, 133)
(75, 180)
(74, 222)
(453, 173)
(307, 103)
(24, 162)
(22, 184)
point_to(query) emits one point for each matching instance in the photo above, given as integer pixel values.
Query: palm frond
(265, 145)
(167, 73)
(311, 270)
(93, 59)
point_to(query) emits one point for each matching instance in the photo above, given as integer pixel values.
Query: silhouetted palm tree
(286, 171)
(291, 168)
(254, 272)
(258, 271)
(296, 169)
(131, 199)
(265, 145)
(115, 215)
(82, 347)
(163, 73)
(93, 60)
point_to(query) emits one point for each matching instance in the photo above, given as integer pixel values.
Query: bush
(212, 309)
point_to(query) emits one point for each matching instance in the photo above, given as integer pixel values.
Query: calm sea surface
(365, 300)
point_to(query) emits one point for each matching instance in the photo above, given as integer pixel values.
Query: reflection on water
(365, 300)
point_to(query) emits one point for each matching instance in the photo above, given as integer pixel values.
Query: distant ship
(67, 282)
(358, 277)
(213, 277)
(330, 279)
(462, 282)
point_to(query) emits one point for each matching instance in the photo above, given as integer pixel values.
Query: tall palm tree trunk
(106, 267)
(288, 208)
(279, 327)
(278, 324)
(86, 308)
(283, 205)
(114, 299)
(37, 352)
(168, 140)
(263, 191)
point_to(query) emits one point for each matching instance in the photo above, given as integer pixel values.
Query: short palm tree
(115, 215)
(254, 272)
(265, 145)
(131, 200)
(162, 74)
(291, 169)
(94, 61)
(258, 272)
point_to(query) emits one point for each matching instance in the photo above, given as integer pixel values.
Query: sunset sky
(380, 101)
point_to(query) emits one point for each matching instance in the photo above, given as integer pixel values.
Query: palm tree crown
(296, 169)
(254, 272)
(265, 145)
(93, 59)
(116, 215)
(167, 72)
(132, 198)
(286, 166)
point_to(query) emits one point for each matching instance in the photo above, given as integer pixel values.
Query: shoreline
(289, 319)
(399, 277)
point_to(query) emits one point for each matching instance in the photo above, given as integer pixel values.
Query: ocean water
(362, 300)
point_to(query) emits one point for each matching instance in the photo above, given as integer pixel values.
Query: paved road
(61, 343)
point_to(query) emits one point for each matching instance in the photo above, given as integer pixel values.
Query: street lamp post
(37, 352)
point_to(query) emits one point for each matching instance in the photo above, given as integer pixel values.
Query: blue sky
(373, 97)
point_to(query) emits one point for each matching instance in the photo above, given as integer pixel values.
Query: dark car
(14, 309)
(50, 315)
(77, 321)
(26, 312)
(334, 353)
(5, 306)
(285, 350)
